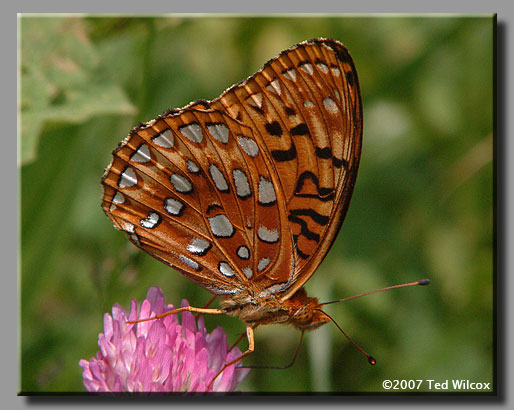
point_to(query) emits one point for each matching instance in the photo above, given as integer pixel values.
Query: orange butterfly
(245, 194)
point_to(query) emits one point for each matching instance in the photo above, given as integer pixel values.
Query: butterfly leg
(191, 309)
(251, 347)
(240, 337)
(206, 305)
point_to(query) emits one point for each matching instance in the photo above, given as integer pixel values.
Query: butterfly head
(306, 313)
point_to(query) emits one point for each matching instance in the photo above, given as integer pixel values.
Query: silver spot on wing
(248, 272)
(307, 67)
(263, 264)
(274, 87)
(242, 185)
(243, 252)
(128, 178)
(255, 100)
(323, 67)
(142, 154)
(181, 183)
(192, 131)
(267, 194)
(219, 132)
(118, 198)
(249, 146)
(191, 263)
(221, 226)
(267, 235)
(192, 166)
(330, 105)
(218, 178)
(290, 75)
(165, 139)
(226, 269)
(151, 221)
(198, 246)
(173, 207)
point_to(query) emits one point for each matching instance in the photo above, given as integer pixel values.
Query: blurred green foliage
(422, 207)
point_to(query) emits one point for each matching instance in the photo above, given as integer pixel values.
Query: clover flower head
(161, 355)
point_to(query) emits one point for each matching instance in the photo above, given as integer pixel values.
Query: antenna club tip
(424, 282)
(372, 361)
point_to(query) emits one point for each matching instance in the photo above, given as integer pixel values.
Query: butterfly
(246, 194)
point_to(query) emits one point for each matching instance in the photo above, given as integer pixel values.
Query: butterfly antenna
(422, 282)
(370, 358)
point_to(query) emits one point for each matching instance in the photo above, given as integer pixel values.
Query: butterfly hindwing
(305, 105)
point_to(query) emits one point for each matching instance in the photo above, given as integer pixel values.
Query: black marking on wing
(298, 250)
(324, 194)
(324, 153)
(290, 111)
(170, 111)
(274, 128)
(300, 129)
(341, 53)
(259, 110)
(315, 216)
(349, 78)
(340, 162)
(212, 207)
(313, 236)
(272, 203)
(284, 155)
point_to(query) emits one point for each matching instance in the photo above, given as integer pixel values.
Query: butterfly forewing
(194, 190)
(246, 192)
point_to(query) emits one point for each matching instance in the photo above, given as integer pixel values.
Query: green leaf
(60, 81)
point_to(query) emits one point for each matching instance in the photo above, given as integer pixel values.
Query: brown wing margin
(345, 190)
